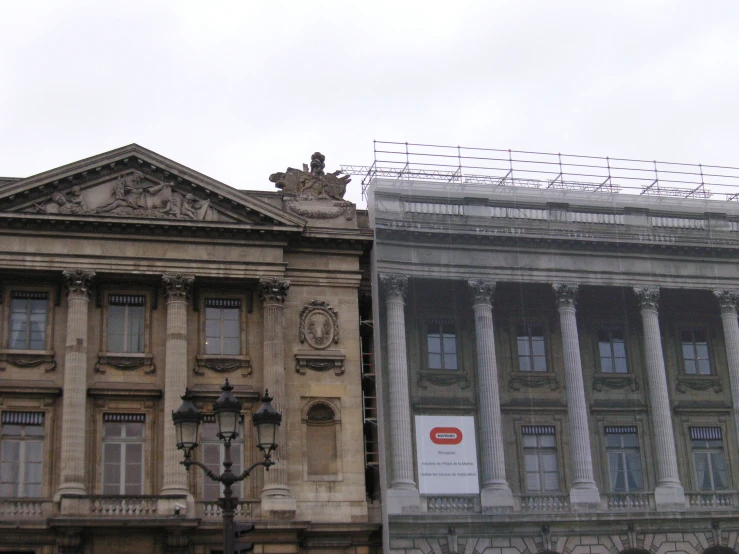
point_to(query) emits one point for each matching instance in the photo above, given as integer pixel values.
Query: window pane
(605, 349)
(231, 346)
(702, 477)
(621, 365)
(704, 367)
(688, 352)
(533, 483)
(618, 349)
(231, 329)
(606, 365)
(434, 344)
(12, 430)
(450, 361)
(690, 367)
(529, 441)
(450, 344)
(532, 462)
(720, 471)
(613, 441)
(549, 462)
(630, 440)
(112, 429)
(33, 451)
(523, 346)
(701, 349)
(213, 328)
(434, 361)
(135, 328)
(134, 429)
(11, 451)
(116, 316)
(551, 482)
(540, 363)
(633, 470)
(524, 363)
(537, 345)
(547, 441)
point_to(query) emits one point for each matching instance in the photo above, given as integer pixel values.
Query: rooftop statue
(312, 183)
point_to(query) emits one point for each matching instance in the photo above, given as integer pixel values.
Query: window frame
(610, 328)
(441, 321)
(692, 328)
(109, 302)
(516, 359)
(124, 442)
(519, 424)
(223, 363)
(631, 429)
(32, 413)
(12, 288)
(125, 361)
(708, 450)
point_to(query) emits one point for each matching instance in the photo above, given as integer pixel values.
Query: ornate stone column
(177, 291)
(669, 492)
(402, 495)
(728, 301)
(276, 495)
(74, 401)
(584, 491)
(496, 494)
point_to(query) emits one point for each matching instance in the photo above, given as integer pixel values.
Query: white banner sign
(447, 455)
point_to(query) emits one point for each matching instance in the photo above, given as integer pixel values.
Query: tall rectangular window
(223, 326)
(123, 454)
(695, 351)
(213, 455)
(711, 469)
(531, 349)
(21, 454)
(624, 459)
(540, 458)
(28, 320)
(612, 349)
(126, 323)
(441, 339)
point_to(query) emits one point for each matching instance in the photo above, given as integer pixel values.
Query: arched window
(321, 440)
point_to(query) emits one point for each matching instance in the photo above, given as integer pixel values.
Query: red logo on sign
(446, 435)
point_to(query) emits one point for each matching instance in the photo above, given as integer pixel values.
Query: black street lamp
(227, 411)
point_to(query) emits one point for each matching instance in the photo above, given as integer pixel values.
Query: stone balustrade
(712, 500)
(450, 504)
(633, 501)
(556, 502)
(245, 509)
(123, 506)
(24, 508)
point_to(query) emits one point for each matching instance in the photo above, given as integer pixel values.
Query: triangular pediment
(135, 183)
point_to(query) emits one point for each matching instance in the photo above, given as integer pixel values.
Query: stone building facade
(585, 346)
(124, 279)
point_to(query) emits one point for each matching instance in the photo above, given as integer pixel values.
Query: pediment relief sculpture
(132, 194)
(313, 193)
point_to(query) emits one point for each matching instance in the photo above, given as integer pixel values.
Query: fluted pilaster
(728, 301)
(177, 291)
(669, 492)
(273, 293)
(495, 490)
(584, 491)
(78, 284)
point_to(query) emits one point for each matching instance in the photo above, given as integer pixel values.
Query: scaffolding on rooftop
(479, 169)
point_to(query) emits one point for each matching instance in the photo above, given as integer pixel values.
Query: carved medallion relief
(319, 328)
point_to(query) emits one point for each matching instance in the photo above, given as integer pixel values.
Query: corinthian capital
(648, 297)
(273, 289)
(78, 282)
(394, 285)
(483, 291)
(177, 286)
(566, 294)
(728, 300)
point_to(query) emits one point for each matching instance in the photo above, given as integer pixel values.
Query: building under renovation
(557, 352)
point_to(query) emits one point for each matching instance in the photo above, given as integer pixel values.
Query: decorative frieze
(533, 380)
(320, 360)
(222, 364)
(125, 362)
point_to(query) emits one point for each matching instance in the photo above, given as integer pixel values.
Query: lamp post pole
(227, 411)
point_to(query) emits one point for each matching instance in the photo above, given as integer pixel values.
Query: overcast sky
(238, 90)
